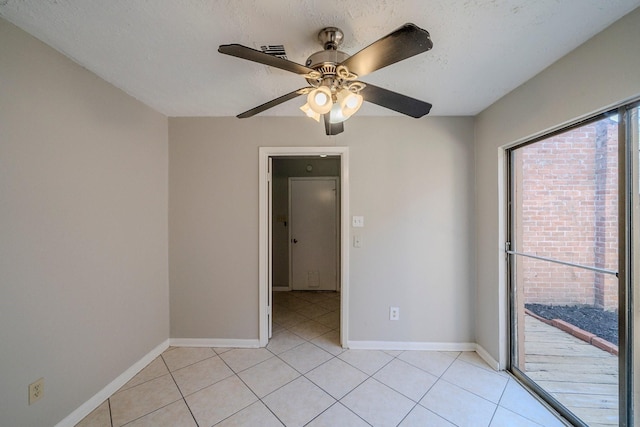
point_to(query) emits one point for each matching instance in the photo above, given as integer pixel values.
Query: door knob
(294, 240)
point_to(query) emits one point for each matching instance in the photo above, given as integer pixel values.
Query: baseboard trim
(87, 407)
(213, 342)
(400, 345)
(484, 355)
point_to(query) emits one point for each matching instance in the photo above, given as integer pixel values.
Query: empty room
(239, 213)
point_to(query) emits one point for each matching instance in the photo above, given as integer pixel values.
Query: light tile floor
(304, 377)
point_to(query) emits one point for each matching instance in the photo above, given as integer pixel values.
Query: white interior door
(313, 216)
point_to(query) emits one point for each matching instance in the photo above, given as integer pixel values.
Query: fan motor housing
(326, 61)
(333, 57)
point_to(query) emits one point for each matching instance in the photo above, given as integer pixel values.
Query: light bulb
(336, 115)
(350, 102)
(319, 100)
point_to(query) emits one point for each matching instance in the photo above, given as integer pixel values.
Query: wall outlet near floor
(36, 391)
(394, 313)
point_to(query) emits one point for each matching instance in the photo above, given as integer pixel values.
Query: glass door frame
(628, 164)
(629, 279)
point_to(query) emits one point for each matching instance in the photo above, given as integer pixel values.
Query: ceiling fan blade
(274, 102)
(403, 43)
(395, 101)
(332, 128)
(244, 52)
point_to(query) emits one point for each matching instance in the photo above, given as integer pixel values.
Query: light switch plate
(358, 221)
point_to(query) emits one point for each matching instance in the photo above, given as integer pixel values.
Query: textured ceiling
(164, 52)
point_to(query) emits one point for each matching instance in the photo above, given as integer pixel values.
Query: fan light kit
(334, 91)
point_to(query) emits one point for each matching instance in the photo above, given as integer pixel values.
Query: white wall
(600, 73)
(83, 231)
(411, 179)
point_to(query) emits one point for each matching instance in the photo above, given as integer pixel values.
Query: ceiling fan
(335, 91)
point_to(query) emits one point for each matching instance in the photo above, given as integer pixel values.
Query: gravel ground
(591, 319)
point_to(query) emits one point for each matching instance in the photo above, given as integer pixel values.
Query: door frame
(264, 239)
(336, 180)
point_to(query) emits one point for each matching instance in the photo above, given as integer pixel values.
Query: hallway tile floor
(304, 378)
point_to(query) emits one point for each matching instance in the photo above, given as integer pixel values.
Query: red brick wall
(567, 189)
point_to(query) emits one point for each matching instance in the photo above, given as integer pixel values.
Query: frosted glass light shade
(336, 115)
(319, 100)
(350, 102)
(310, 113)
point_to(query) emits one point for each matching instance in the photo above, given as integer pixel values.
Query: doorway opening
(304, 263)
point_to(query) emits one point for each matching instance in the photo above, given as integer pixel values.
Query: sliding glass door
(565, 193)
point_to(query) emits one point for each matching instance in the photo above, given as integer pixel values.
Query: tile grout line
(301, 375)
(159, 376)
(493, 415)
(368, 376)
(333, 356)
(409, 412)
(249, 388)
(508, 409)
(393, 357)
(330, 344)
(337, 402)
(417, 402)
(209, 385)
(180, 391)
(191, 364)
(110, 416)
(438, 378)
(131, 388)
(304, 375)
(469, 391)
(149, 413)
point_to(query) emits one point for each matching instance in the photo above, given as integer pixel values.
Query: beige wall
(411, 179)
(83, 231)
(601, 72)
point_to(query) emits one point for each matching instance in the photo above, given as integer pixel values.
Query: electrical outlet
(36, 391)
(394, 313)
